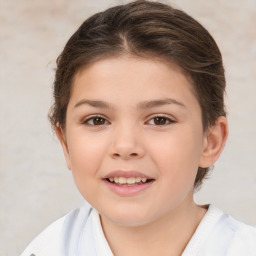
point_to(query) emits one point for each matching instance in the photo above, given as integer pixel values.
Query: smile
(130, 181)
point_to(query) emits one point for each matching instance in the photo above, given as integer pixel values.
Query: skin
(127, 137)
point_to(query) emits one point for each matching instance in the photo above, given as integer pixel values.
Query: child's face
(127, 94)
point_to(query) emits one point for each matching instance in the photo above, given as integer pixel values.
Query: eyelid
(170, 119)
(167, 117)
(88, 118)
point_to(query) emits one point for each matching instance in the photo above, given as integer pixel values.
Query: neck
(167, 235)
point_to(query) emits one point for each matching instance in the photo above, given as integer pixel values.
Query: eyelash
(170, 121)
(91, 118)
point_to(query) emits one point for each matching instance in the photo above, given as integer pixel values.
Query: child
(139, 112)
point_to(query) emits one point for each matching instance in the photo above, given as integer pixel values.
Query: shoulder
(231, 237)
(243, 237)
(59, 235)
(221, 234)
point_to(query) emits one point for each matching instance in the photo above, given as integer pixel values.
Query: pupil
(98, 120)
(160, 120)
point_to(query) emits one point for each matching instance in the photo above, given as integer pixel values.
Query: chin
(128, 218)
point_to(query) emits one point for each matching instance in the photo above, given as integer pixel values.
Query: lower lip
(128, 190)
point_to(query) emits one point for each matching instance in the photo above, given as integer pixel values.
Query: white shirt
(80, 234)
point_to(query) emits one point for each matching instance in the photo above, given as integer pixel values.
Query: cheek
(86, 153)
(177, 156)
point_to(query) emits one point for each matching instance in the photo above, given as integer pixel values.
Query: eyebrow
(142, 105)
(93, 103)
(159, 102)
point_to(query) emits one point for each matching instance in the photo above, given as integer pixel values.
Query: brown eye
(98, 121)
(95, 121)
(161, 120)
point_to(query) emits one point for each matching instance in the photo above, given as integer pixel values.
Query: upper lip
(126, 174)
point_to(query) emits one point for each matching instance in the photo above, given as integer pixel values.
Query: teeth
(138, 179)
(143, 179)
(122, 180)
(130, 180)
(127, 181)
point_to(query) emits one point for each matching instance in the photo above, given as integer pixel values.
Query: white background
(35, 186)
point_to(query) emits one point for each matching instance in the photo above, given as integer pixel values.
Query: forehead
(117, 62)
(124, 76)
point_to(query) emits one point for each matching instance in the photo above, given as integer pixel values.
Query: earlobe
(62, 139)
(214, 142)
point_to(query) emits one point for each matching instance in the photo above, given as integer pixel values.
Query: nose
(127, 144)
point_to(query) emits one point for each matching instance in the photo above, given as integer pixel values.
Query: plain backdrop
(35, 186)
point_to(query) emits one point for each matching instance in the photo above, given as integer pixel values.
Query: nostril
(125, 155)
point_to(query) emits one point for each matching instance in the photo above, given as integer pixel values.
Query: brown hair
(145, 29)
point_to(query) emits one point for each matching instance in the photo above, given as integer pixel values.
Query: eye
(95, 121)
(161, 121)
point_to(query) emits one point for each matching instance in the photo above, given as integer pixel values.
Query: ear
(62, 138)
(214, 141)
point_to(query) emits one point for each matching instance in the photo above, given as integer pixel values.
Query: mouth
(128, 181)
